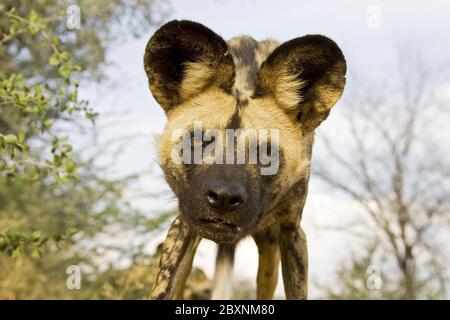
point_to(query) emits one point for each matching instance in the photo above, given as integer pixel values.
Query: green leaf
(33, 16)
(70, 166)
(13, 28)
(65, 55)
(54, 59)
(64, 71)
(71, 232)
(74, 95)
(33, 29)
(36, 235)
(67, 147)
(18, 251)
(36, 253)
(10, 139)
(57, 160)
(48, 123)
(55, 40)
(21, 135)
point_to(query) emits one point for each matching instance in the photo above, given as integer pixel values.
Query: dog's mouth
(219, 225)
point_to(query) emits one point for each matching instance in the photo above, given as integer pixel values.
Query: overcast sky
(369, 51)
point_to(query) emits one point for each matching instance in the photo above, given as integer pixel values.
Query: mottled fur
(196, 76)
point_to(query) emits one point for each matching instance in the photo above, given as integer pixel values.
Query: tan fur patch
(283, 86)
(265, 114)
(286, 89)
(264, 49)
(197, 76)
(212, 107)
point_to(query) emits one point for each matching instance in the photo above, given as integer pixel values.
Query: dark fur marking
(235, 121)
(243, 51)
(241, 103)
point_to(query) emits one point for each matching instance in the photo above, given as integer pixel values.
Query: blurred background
(84, 206)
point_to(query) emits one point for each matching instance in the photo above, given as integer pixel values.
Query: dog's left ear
(306, 76)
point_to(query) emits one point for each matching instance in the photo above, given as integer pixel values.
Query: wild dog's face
(260, 100)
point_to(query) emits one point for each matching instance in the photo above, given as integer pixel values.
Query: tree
(50, 194)
(392, 161)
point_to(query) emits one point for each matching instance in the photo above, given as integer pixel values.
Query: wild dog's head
(273, 97)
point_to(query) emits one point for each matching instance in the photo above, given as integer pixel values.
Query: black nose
(225, 195)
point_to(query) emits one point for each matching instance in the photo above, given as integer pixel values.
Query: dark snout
(224, 203)
(225, 196)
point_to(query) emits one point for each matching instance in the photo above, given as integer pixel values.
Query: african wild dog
(240, 84)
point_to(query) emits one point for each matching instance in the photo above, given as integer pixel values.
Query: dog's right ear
(182, 59)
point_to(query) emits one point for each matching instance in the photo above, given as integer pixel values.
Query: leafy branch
(39, 105)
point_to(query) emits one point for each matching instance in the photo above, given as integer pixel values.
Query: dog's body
(241, 85)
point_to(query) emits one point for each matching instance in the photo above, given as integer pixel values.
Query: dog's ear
(306, 76)
(182, 59)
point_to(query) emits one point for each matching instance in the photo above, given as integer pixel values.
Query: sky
(367, 32)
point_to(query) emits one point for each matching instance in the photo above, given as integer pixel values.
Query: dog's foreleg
(269, 261)
(223, 275)
(176, 261)
(294, 262)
